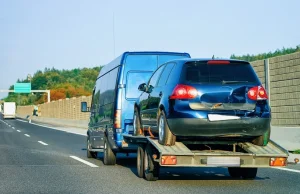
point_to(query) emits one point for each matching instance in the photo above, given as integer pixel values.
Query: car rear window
(234, 72)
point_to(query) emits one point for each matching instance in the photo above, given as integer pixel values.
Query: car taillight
(117, 123)
(184, 92)
(257, 93)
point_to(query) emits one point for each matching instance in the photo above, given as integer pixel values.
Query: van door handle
(160, 94)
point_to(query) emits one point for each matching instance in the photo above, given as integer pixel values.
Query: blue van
(114, 95)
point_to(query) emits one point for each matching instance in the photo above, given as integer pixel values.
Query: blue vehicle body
(216, 101)
(115, 93)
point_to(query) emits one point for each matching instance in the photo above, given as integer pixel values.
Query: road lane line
(27, 135)
(9, 125)
(287, 169)
(42, 143)
(85, 162)
(83, 134)
(18, 130)
(13, 127)
(21, 120)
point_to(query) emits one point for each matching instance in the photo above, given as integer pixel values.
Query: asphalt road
(35, 159)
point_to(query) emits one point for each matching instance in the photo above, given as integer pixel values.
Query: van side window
(93, 101)
(109, 93)
(165, 74)
(153, 80)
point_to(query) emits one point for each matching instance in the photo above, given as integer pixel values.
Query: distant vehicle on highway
(113, 101)
(9, 110)
(204, 100)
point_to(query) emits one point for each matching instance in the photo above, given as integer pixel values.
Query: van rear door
(138, 68)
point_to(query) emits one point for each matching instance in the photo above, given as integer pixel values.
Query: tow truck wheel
(165, 136)
(249, 173)
(140, 161)
(151, 168)
(235, 172)
(89, 154)
(109, 157)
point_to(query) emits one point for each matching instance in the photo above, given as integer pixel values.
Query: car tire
(262, 140)
(165, 136)
(140, 161)
(151, 168)
(235, 172)
(109, 157)
(136, 123)
(249, 173)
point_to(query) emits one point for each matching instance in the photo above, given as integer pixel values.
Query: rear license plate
(223, 161)
(216, 117)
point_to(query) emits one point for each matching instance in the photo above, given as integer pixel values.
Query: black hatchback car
(203, 100)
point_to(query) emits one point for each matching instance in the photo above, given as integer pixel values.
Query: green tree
(261, 56)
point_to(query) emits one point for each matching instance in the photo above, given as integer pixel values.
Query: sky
(35, 34)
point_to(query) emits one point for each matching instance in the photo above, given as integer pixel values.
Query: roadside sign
(22, 87)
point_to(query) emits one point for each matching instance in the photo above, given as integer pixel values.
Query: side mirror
(142, 87)
(84, 107)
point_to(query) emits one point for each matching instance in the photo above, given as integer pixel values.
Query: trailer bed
(250, 155)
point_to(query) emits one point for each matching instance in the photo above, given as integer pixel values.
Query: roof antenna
(213, 57)
(114, 33)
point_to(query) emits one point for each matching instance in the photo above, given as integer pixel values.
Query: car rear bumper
(205, 128)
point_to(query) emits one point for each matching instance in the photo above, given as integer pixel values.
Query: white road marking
(27, 135)
(83, 161)
(21, 120)
(287, 169)
(42, 143)
(83, 134)
(59, 129)
(18, 130)
(13, 127)
(9, 125)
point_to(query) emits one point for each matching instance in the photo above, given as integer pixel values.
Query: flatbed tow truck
(242, 159)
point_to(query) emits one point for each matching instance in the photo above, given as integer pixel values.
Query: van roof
(119, 60)
(153, 52)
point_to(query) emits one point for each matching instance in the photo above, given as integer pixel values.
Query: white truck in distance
(9, 110)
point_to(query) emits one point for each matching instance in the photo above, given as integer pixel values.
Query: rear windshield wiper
(233, 82)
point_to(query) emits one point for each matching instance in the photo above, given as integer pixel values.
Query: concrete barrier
(83, 124)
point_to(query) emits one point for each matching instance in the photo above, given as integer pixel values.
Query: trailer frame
(242, 161)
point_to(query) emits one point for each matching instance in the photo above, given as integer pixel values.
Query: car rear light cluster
(184, 92)
(117, 123)
(257, 93)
